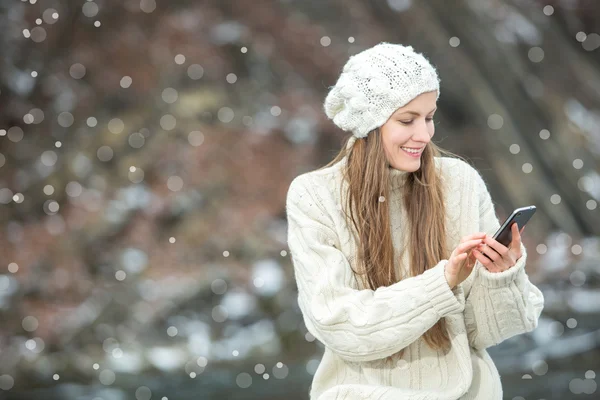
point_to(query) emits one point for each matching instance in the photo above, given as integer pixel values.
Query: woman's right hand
(457, 270)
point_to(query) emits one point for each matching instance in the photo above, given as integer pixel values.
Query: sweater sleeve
(499, 305)
(358, 325)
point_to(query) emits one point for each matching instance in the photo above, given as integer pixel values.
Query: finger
(495, 245)
(496, 265)
(492, 255)
(468, 245)
(472, 254)
(478, 235)
(483, 260)
(516, 237)
(515, 245)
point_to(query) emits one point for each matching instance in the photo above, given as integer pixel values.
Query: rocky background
(146, 148)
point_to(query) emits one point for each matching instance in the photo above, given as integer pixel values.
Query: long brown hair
(367, 176)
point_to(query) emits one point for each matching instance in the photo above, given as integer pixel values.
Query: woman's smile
(412, 153)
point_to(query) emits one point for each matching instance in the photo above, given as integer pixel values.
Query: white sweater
(360, 327)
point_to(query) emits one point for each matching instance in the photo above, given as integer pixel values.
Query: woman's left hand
(502, 258)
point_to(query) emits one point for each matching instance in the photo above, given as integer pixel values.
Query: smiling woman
(404, 139)
(381, 239)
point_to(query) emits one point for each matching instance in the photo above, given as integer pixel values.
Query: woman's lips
(417, 155)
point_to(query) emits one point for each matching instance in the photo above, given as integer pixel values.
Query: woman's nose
(422, 134)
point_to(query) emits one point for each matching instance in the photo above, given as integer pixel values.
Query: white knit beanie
(376, 82)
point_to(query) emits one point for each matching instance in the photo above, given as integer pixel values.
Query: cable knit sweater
(360, 327)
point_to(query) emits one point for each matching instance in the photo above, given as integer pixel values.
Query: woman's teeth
(411, 150)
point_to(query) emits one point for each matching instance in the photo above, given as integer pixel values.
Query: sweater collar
(396, 177)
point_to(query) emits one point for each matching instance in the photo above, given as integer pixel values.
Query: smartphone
(520, 216)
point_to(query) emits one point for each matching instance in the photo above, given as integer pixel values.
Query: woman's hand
(457, 270)
(502, 257)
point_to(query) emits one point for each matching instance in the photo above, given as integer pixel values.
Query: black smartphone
(520, 216)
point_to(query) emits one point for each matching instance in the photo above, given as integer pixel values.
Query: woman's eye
(410, 122)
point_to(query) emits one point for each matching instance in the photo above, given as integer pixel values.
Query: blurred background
(146, 149)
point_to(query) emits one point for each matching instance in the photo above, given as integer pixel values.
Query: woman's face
(409, 126)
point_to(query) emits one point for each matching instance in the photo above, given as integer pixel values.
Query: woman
(390, 245)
